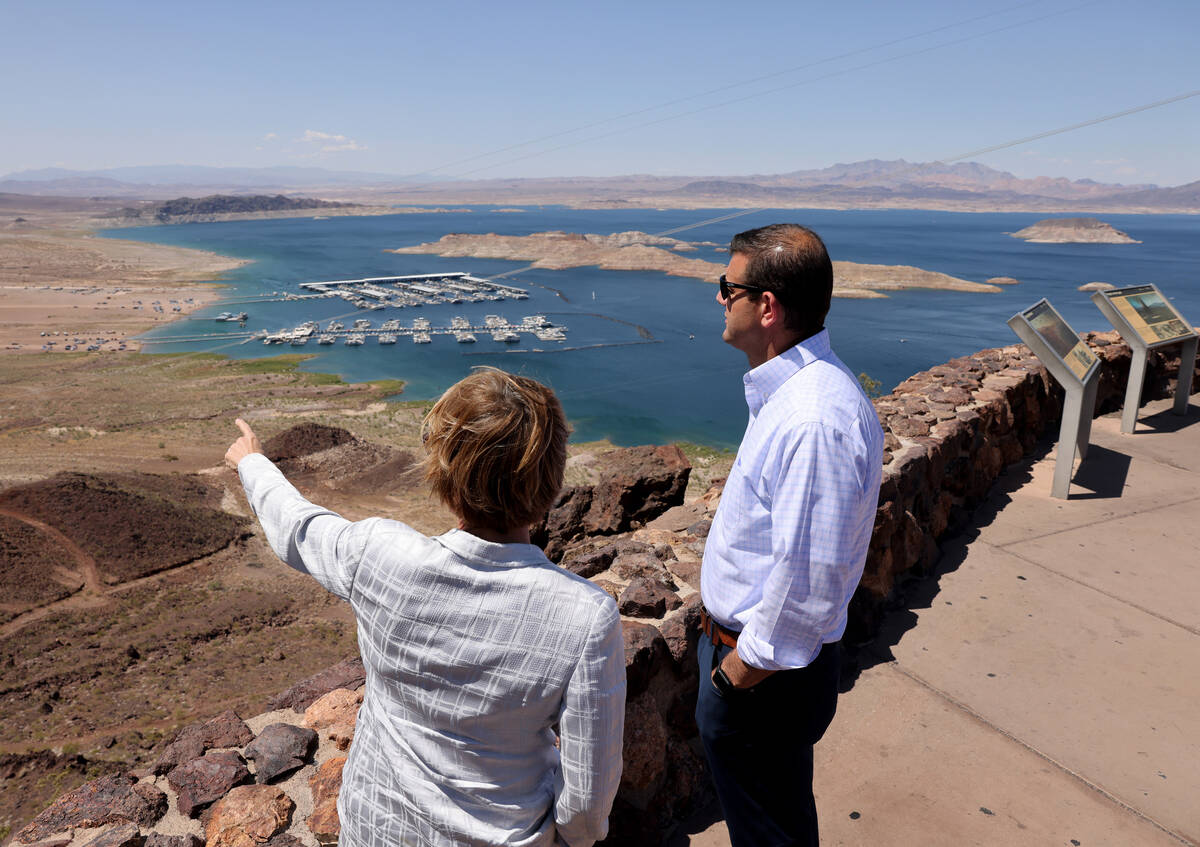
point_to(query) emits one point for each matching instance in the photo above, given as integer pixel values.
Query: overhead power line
(969, 154)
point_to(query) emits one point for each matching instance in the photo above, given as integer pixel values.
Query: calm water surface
(686, 384)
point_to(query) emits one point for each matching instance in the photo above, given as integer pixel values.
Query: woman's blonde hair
(497, 447)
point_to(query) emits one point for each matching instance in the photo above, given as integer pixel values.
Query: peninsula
(638, 251)
(1073, 231)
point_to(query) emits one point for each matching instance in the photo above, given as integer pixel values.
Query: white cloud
(327, 142)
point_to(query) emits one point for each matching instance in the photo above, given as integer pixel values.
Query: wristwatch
(722, 684)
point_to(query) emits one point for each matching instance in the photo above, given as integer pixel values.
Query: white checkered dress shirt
(789, 540)
(473, 651)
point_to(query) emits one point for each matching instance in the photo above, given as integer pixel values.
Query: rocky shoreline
(638, 251)
(1073, 231)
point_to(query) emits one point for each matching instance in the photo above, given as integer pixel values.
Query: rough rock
(348, 673)
(335, 716)
(325, 785)
(611, 588)
(647, 598)
(682, 631)
(632, 486)
(225, 730)
(588, 559)
(636, 485)
(248, 816)
(686, 569)
(206, 779)
(642, 566)
(56, 840)
(127, 835)
(158, 839)
(645, 744)
(280, 748)
(645, 655)
(103, 801)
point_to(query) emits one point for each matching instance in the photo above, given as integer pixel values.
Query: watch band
(722, 683)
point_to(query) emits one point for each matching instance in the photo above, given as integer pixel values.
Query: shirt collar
(472, 547)
(765, 380)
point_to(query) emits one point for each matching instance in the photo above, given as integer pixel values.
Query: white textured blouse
(473, 652)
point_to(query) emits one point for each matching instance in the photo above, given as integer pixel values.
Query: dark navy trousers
(759, 745)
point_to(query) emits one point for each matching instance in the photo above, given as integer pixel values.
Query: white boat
(494, 321)
(390, 326)
(420, 323)
(361, 324)
(334, 326)
(464, 337)
(459, 322)
(505, 335)
(299, 340)
(387, 338)
(325, 339)
(421, 338)
(355, 340)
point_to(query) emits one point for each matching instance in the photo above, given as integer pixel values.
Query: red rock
(325, 785)
(644, 745)
(636, 485)
(588, 559)
(349, 673)
(335, 716)
(645, 566)
(158, 839)
(687, 570)
(225, 730)
(280, 748)
(647, 598)
(645, 654)
(681, 632)
(127, 835)
(611, 588)
(201, 781)
(248, 816)
(103, 801)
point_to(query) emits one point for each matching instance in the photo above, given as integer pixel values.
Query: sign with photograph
(1149, 314)
(1060, 338)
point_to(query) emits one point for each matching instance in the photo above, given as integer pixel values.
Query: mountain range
(873, 183)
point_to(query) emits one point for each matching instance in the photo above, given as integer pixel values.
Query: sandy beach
(68, 290)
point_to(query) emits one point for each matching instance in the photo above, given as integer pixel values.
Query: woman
(475, 644)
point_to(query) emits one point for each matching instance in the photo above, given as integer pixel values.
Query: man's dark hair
(791, 262)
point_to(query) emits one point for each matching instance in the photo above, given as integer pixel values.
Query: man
(788, 542)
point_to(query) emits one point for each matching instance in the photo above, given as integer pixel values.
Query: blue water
(678, 388)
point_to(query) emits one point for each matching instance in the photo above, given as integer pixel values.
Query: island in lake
(1074, 231)
(638, 251)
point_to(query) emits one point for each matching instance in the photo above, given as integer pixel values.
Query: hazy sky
(408, 87)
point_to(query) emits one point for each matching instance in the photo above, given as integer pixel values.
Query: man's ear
(770, 310)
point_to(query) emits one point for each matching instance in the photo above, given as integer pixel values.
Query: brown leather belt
(716, 633)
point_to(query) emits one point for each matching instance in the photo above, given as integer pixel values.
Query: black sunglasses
(727, 286)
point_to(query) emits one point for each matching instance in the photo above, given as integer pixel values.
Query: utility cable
(969, 154)
(750, 81)
(777, 89)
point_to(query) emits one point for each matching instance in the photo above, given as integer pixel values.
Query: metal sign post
(1077, 370)
(1147, 321)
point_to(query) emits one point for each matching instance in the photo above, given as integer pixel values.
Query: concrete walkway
(1044, 688)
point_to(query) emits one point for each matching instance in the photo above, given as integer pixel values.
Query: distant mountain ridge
(874, 183)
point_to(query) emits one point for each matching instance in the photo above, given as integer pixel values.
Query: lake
(682, 384)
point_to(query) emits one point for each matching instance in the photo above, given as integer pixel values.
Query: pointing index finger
(244, 427)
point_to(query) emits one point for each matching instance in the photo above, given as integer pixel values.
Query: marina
(421, 331)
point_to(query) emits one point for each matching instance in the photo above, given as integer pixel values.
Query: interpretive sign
(1149, 314)
(1147, 320)
(1060, 338)
(1077, 370)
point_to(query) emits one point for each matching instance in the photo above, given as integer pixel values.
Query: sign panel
(1149, 314)
(1052, 329)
